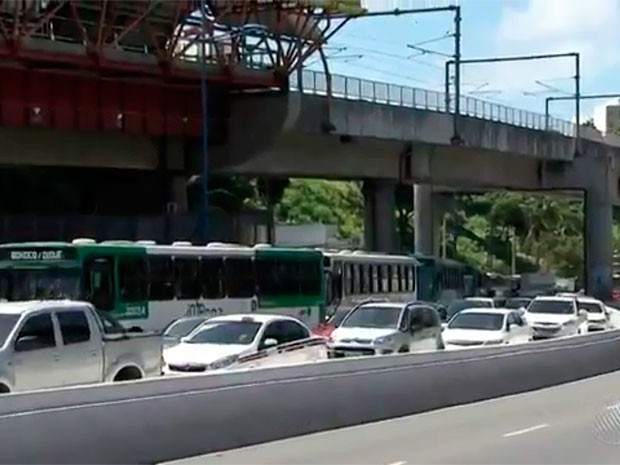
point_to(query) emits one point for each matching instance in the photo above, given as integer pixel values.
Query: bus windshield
(20, 284)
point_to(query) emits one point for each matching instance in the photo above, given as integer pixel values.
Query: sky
(380, 49)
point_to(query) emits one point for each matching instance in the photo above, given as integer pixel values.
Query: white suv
(381, 328)
(555, 316)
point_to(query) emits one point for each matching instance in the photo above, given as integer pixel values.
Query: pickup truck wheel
(128, 374)
(403, 350)
(4, 389)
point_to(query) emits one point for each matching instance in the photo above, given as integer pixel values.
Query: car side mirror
(582, 313)
(25, 343)
(269, 342)
(508, 327)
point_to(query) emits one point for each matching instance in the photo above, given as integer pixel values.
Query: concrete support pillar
(380, 216)
(598, 243)
(423, 219)
(438, 214)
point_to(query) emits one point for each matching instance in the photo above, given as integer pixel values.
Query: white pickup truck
(47, 344)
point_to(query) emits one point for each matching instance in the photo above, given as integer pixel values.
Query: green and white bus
(149, 285)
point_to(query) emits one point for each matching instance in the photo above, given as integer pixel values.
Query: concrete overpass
(398, 141)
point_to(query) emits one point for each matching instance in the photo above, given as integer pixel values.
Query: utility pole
(203, 213)
(548, 101)
(548, 56)
(513, 254)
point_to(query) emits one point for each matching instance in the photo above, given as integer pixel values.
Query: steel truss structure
(248, 42)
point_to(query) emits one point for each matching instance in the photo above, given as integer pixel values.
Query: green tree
(319, 201)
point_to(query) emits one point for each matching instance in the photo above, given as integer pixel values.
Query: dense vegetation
(547, 229)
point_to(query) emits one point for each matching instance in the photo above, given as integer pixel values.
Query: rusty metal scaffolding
(270, 38)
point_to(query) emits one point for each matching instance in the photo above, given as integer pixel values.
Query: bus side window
(337, 282)
(99, 282)
(240, 282)
(385, 278)
(357, 278)
(161, 278)
(187, 280)
(395, 279)
(212, 277)
(310, 277)
(290, 277)
(350, 279)
(132, 279)
(268, 276)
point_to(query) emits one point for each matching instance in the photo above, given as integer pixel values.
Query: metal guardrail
(351, 88)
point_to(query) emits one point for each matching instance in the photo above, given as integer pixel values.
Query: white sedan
(598, 315)
(220, 341)
(476, 327)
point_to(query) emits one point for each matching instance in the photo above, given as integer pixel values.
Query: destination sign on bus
(45, 255)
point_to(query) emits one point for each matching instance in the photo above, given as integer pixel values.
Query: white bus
(353, 276)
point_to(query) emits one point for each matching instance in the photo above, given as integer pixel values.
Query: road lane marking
(398, 463)
(526, 430)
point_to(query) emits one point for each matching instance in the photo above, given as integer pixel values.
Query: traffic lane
(573, 423)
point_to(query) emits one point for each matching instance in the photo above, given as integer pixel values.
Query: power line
(427, 51)
(389, 73)
(395, 56)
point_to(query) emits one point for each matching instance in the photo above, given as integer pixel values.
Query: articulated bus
(443, 280)
(351, 277)
(149, 285)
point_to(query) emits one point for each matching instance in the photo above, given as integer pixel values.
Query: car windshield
(368, 316)
(590, 307)
(337, 317)
(20, 284)
(225, 332)
(182, 327)
(7, 323)
(459, 305)
(478, 321)
(517, 303)
(556, 307)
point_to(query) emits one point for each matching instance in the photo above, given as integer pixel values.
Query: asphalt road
(574, 423)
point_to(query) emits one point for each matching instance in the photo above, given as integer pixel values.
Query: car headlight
(223, 363)
(383, 340)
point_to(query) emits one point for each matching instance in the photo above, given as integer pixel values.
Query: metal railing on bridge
(351, 88)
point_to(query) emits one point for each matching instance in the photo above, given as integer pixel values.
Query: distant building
(612, 118)
(311, 235)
